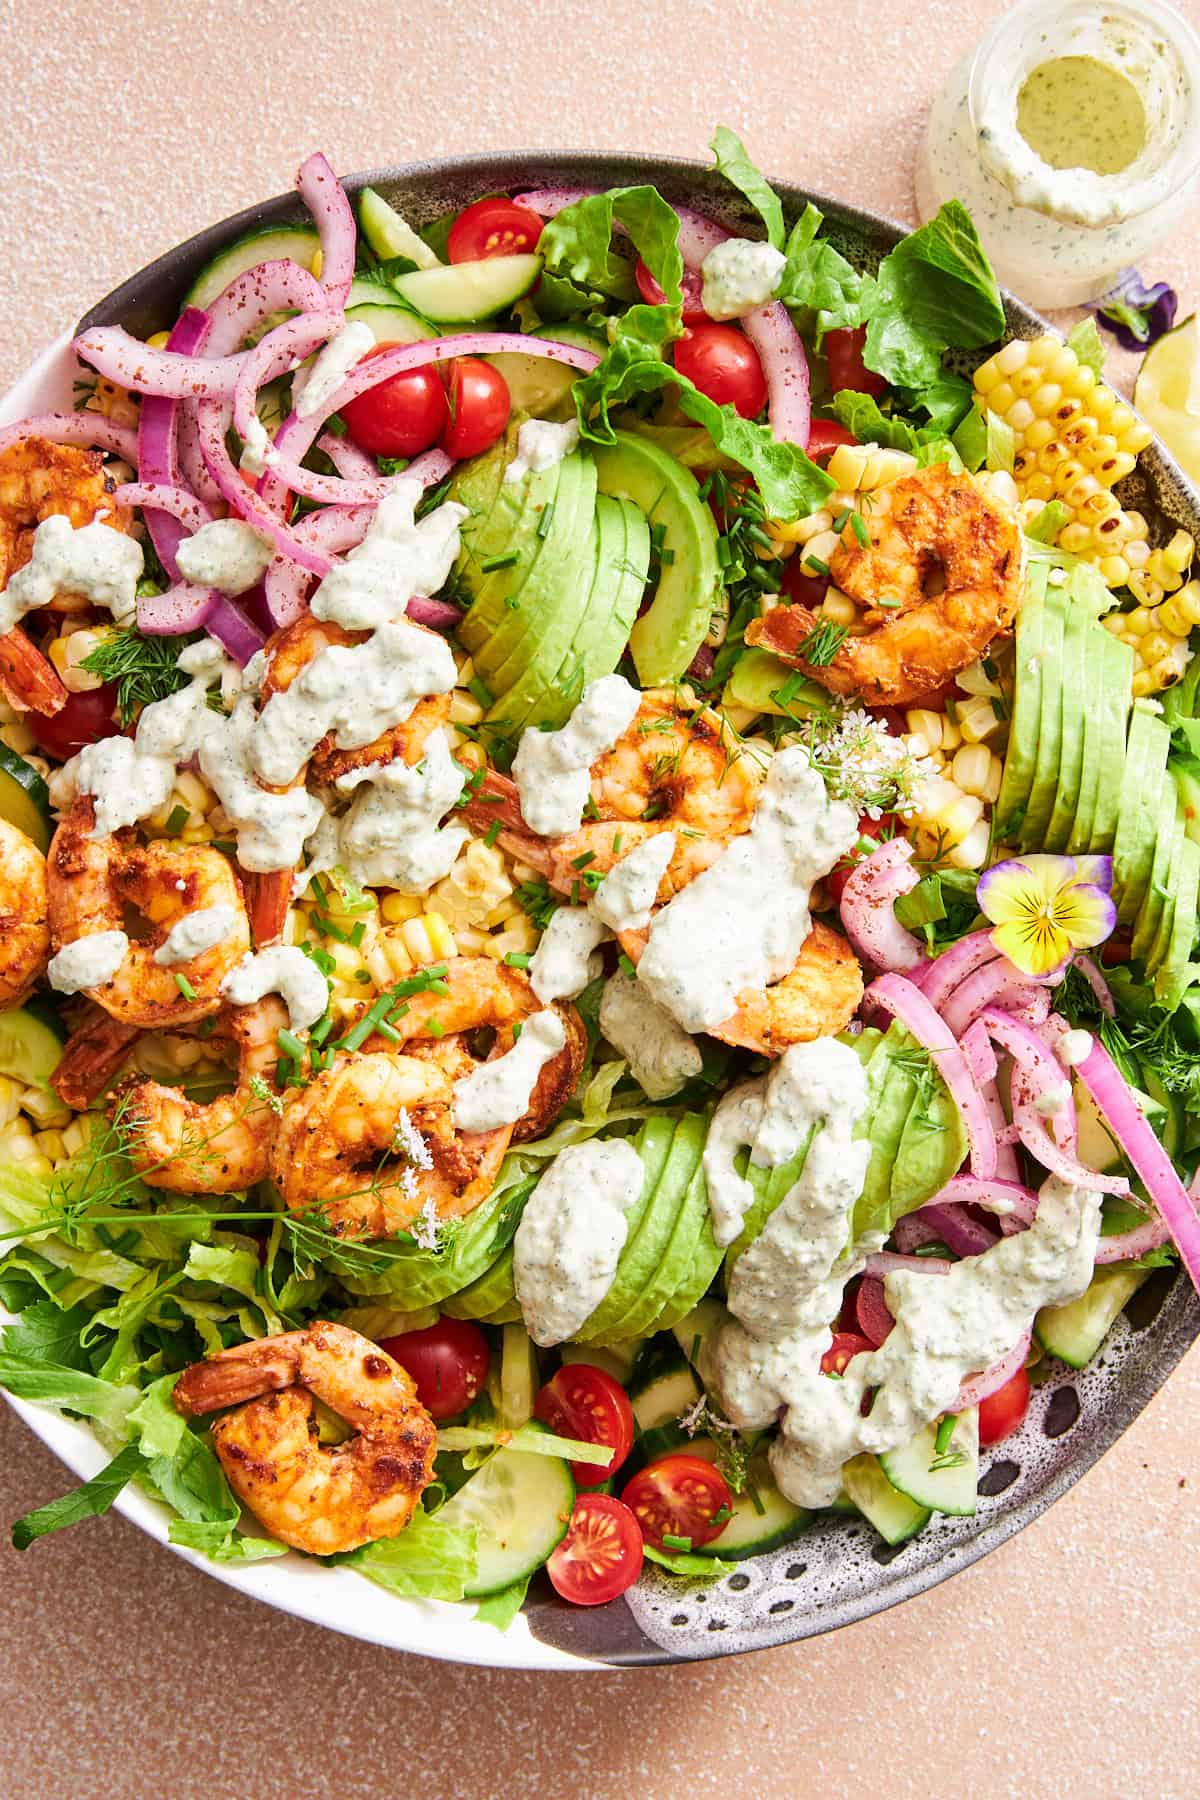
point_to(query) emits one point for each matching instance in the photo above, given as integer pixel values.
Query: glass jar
(1072, 135)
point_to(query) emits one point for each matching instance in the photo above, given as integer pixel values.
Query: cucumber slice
(944, 1482)
(616, 1360)
(521, 1506)
(1096, 1148)
(762, 1519)
(30, 1050)
(389, 235)
(895, 1517)
(461, 292)
(1076, 1331)
(390, 324)
(519, 1375)
(299, 242)
(659, 1404)
(25, 798)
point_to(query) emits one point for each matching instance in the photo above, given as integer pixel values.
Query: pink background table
(1065, 1664)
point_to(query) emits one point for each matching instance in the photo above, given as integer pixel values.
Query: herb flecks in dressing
(660, 1054)
(87, 963)
(565, 960)
(226, 554)
(195, 933)
(95, 561)
(552, 769)
(498, 1092)
(571, 1235)
(391, 835)
(1076, 112)
(280, 969)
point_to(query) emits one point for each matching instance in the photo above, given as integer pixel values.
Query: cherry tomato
(448, 1361)
(845, 1346)
(891, 718)
(824, 436)
(723, 363)
(680, 1496)
(402, 416)
(844, 351)
(652, 294)
(1003, 1411)
(601, 1554)
(805, 589)
(586, 1403)
(85, 719)
(493, 227)
(479, 406)
(841, 871)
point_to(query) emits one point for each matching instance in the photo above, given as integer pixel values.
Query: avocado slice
(492, 1289)
(757, 677)
(667, 1261)
(1112, 703)
(553, 575)
(1159, 898)
(653, 1144)
(476, 485)
(1106, 685)
(1188, 784)
(537, 385)
(1137, 815)
(689, 591)
(1049, 749)
(1075, 703)
(1172, 978)
(508, 530)
(706, 1260)
(1021, 759)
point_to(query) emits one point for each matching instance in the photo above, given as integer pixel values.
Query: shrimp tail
(28, 679)
(495, 798)
(263, 1366)
(268, 900)
(93, 1055)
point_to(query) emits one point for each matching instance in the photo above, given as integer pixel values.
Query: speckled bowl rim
(547, 1635)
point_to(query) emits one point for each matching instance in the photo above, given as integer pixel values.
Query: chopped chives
(480, 692)
(492, 833)
(581, 862)
(185, 987)
(516, 1031)
(945, 1432)
(435, 1029)
(363, 975)
(290, 1044)
(517, 959)
(388, 1031)
(815, 562)
(546, 519)
(672, 1542)
(859, 527)
(177, 818)
(500, 562)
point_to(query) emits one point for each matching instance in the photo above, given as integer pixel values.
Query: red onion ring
(977, 1388)
(887, 1262)
(1037, 1070)
(955, 964)
(214, 420)
(237, 634)
(1095, 980)
(1009, 1200)
(90, 430)
(252, 297)
(131, 364)
(158, 454)
(996, 983)
(894, 994)
(912, 1233)
(977, 1048)
(325, 198)
(347, 458)
(273, 355)
(174, 502)
(867, 908)
(182, 608)
(956, 1228)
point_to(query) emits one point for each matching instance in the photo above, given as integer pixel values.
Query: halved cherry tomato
(84, 719)
(586, 1403)
(839, 875)
(1002, 1412)
(824, 436)
(723, 363)
(845, 1346)
(479, 405)
(692, 283)
(448, 1361)
(493, 227)
(680, 1496)
(844, 352)
(601, 1554)
(402, 416)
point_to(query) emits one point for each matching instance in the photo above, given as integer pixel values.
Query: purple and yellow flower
(1044, 908)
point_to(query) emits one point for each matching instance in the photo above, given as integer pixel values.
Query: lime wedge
(1167, 393)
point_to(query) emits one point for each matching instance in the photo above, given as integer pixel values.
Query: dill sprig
(822, 644)
(144, 669)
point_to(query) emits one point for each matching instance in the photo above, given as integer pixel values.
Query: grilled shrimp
(37, 480)
(215, 1147)
(290, 652)
(372, 1140)
(93, 881)
(24, 933)
(940, 578)
(93, 1056)
(319, 1498)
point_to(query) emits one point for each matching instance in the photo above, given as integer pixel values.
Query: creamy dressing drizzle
(400, 556)
(87, 963)
(625, 897)
(497, 1092)
(565, 960)
(195, 933)
(552, 769)
(331, 367)
(541, 444)
(95, 561)
(739, 277)
(272, 828)
(227, 554)
(741, 923)
(660, 1054)
(571, 1235)
(280, 969)
(391, 837)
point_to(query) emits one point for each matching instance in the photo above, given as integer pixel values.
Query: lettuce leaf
(735, 165)
(861, 415)
(577, 244)
(53, 1384)
(689, 1562)
(934, 291)
(429, 1559)
(1086, 342)
(87, 1502)
(818, 281)
(501, 1609)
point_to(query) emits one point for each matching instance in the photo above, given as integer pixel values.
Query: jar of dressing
(1072, 135)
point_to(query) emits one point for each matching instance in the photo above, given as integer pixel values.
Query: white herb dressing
(195, 933)
(391, 835)
(95, 561)
(399, 557)
(330, 368)
(227, 554)
(257, 450)
(739, 277)
(660, 1054)
(87, 963)
(272, 828)
(355, 691)
(742, 921)
(565, 959)
(497, 1092)
(280, 969)
(571, 1235)
(540, 444)
(552, 768)
(626, 895)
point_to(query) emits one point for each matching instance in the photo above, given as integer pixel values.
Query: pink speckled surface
(1063, 1665)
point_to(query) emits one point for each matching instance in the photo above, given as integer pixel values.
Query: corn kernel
(1074, 538)
(958, 819)
(51, 1145)
(951, 735)
(44, 1107)
(1179, 552)
(995, 780)
(822, 547)
(77, 1137)
(971, 768)
(1155, 645)
(464, 708)
(847, 465)
(838, 607)
(1142, 684)
(1020, 415)
(1096, 505)
(1012, 357)
(971, 853)
(1001, 399)
(974, 679)
(1172, 618)
(802, 531)
(1114, 622)
(1167, 672)
(1145, 589)
(1139, 622)
(917, 745)
(986, 376)
(10, 1101)
(1136, 437)
(1114, 571)
(1039, 434)
(1067, 411)
(926, 724)
(977, 719)
(1040, 488)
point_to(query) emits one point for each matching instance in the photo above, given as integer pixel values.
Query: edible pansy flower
(1043, 908)
(1137, 315)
